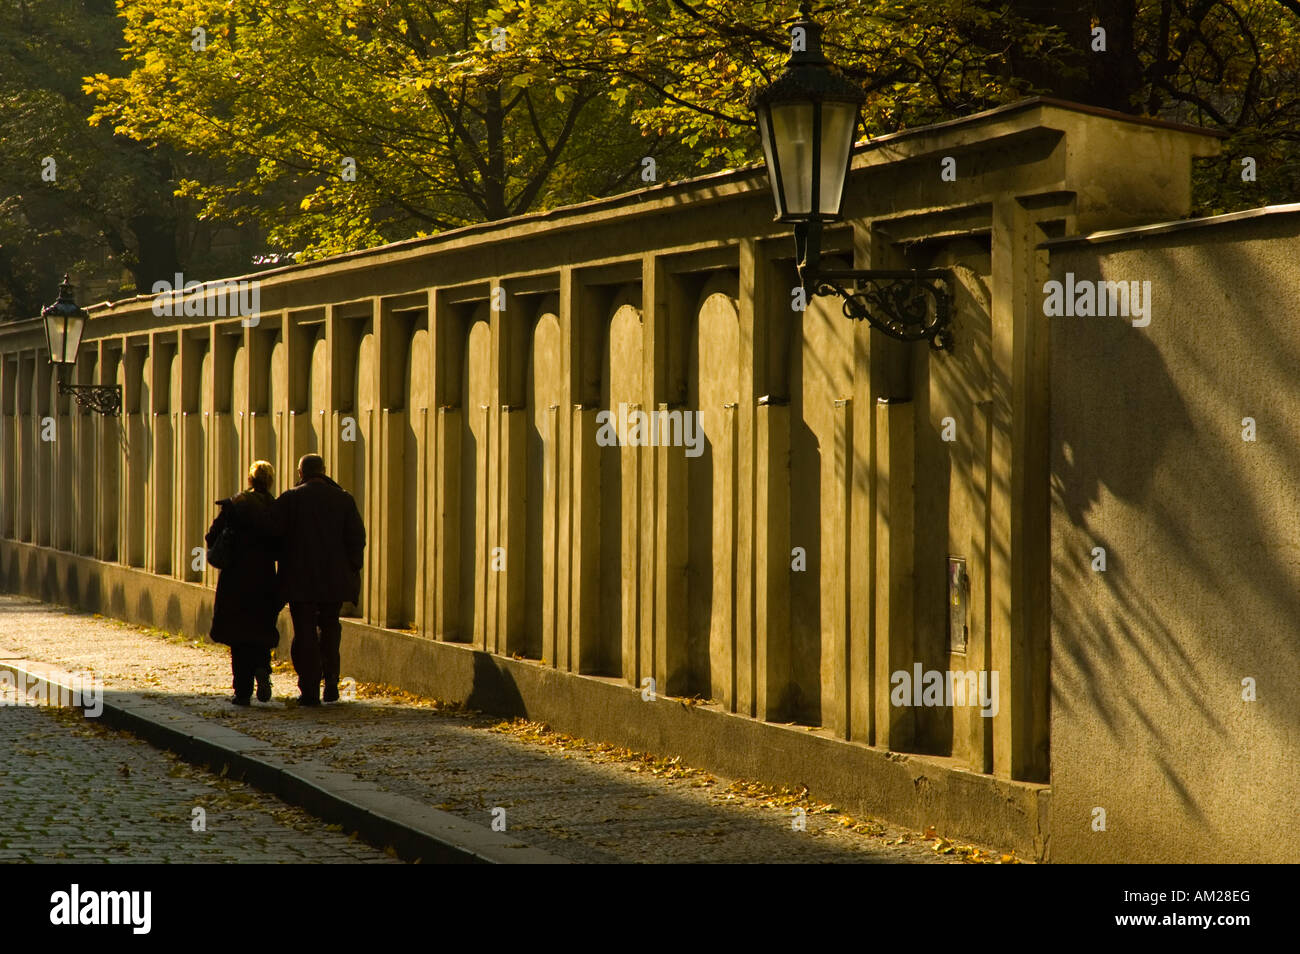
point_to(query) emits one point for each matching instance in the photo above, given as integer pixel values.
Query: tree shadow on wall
(1150, 467)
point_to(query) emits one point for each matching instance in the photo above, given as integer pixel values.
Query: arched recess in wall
(231, 479)
(207, 442)
(356, 477)
(620, 533)
(545, 394)
(318, 400)
(713, 390)
(175, 397)
(412, 525)
(192, 498)
(162, 482)
(120, 449)
(278, 431)
(475, 402)
(222, 439)
(821, 373)
(140, 452)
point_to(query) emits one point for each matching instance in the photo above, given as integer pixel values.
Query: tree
(342, 124)
(688, 67)
(347, 123)
(1229, 65)
(75, 198)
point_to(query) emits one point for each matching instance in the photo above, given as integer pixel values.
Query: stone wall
(1196, 513)
(455, 385)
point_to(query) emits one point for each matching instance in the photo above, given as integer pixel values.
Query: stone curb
(415, 831)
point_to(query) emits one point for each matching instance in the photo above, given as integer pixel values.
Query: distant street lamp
(65, 322)
(807, 119)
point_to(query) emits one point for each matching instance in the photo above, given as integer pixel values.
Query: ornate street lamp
(807, 119)
(65, 322)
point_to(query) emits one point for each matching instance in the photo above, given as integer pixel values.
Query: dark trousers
(315, 648)
(245, 660)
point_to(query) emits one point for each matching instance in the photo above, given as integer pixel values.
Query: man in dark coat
(247, 599)
(320, 570)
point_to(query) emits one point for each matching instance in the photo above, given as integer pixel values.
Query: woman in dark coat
(247, 601)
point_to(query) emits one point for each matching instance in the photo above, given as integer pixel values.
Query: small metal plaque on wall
(958, 600)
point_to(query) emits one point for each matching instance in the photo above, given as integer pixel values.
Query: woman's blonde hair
(261, 475)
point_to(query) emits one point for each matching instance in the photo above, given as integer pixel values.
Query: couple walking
(316, 534)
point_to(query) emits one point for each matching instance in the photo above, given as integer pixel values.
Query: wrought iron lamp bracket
(905, 305)
(103, 399)
(908, 305)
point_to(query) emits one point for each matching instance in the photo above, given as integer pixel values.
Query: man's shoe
(331, 694)
(241, 701)
(308, 701)
(263, 677)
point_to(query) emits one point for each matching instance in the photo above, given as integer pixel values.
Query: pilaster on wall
(160, 480)
(654, 585)
(289, 413)
(512, 448)
(1019, 503)
(862, 517)
(108, 459)
(837, 699)
(895, 458)
(8, 446)
(132, 519)
(443, 548)
(384, 548)
(373, 500)
(65, 504)
(772, 652)
(421, 424)
(754, 297)
(24, 464)
(85, 474)
(505, 552)
(42, 450)
(222, 458)
(191, 506)
(884, 496)
(430, 543)
(584, 652)
(558, 647)
(342, 343)
(449, 524)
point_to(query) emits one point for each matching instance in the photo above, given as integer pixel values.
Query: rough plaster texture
(1201, 531)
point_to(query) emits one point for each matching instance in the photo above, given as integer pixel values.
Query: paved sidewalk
(73, 791)
(582, 801)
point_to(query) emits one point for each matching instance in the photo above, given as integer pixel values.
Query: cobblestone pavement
(583, 801)
(75, 791)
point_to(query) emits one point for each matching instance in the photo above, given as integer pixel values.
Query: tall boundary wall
(782, 573)
(1176, 459)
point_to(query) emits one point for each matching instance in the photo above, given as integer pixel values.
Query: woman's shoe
(263, 677)
(241, 701)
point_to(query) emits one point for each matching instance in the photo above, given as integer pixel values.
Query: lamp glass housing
(796, 152)
(63, 329)
(838, 122)
(806, 120)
